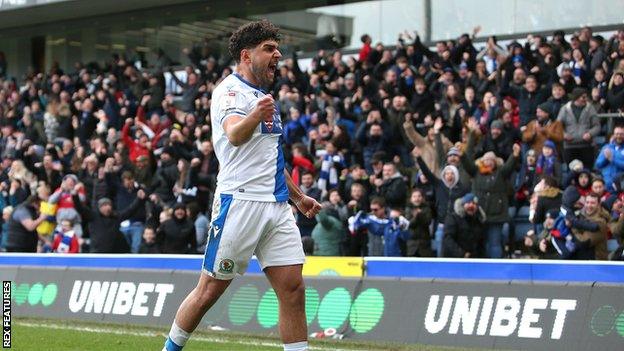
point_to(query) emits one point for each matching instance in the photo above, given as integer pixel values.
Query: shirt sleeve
(231, 103)
(21, 214)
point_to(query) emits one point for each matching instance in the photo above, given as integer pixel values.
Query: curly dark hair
(250, 35)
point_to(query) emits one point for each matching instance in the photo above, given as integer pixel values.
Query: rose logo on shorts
(226, 266)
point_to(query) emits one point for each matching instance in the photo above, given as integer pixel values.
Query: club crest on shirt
(226, 266)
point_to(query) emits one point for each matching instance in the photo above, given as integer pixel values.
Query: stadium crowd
(464, 151)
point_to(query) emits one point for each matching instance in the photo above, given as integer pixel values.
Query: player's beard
(261, 72)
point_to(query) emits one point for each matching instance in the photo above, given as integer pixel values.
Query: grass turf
(53, 335)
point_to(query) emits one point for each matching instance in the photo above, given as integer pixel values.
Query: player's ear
(245, 55)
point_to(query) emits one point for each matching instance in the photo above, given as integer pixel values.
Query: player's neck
(246, 73)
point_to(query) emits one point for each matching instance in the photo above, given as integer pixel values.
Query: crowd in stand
(464, 151)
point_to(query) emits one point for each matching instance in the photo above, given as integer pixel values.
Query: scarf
(328, 177)
(546, 165)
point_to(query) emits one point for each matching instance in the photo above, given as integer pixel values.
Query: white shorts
(240, 228)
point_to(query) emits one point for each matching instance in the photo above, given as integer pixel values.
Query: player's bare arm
(307, 205)
(240, 129)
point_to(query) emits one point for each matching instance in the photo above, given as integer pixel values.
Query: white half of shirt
(254, 170)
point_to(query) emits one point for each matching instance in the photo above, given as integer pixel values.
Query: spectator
(4, 232)
(491, 181)
(22, 235)
(201, 223)
(124, 192)
(548, 198)
(581, 126)
(547, 163)
(149, 245)
(177, 234)
(464, 229)
(65, 239)
(429, 144)
(328, 232)
(539, 245)
(104, 223)
(525, 180)
(447, 189)
(396, 235)
(543, 128)
(309, 188)
(592, 244)
(610, 161)
(419, 215)
(391, 187)
(373, 225)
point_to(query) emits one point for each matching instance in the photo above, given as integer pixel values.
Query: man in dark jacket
(177, 235)
(22, 235)
(104, 223)
(529, 97)
(447, 189)
(491, 183)
(166, 176)
(392, 187)
(464, 230)
(124, 192)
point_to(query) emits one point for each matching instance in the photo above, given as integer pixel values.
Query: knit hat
(470, 197)
(104, 201)
(72, 177)
(549, 143)
(570, 197)
(530, 152)
(545, 106)
(453, 152)
(497, 124)
(552, 213)
(577, 93)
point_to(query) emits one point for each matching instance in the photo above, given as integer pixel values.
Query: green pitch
(53, 335)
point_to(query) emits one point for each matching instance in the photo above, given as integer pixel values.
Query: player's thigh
(280, 245)
(286, 279)
(232, 238)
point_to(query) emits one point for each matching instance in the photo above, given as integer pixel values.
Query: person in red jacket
(65, 239)
(366, 47)
(142, 147)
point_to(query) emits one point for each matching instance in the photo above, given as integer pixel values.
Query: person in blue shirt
(610, 160)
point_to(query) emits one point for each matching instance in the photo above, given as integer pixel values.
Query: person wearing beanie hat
(104, 202)
(548, 162)
(610, 160)
(497, 124)
(539, 245)
(491, 184)
(104, 223)
(465, 229)
(544, 127)
(498, 140)
(580, 126)
(178, 233)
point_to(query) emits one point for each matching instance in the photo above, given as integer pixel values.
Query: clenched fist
(264, 109)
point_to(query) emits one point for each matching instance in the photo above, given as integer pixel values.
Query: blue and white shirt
(254, 170)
